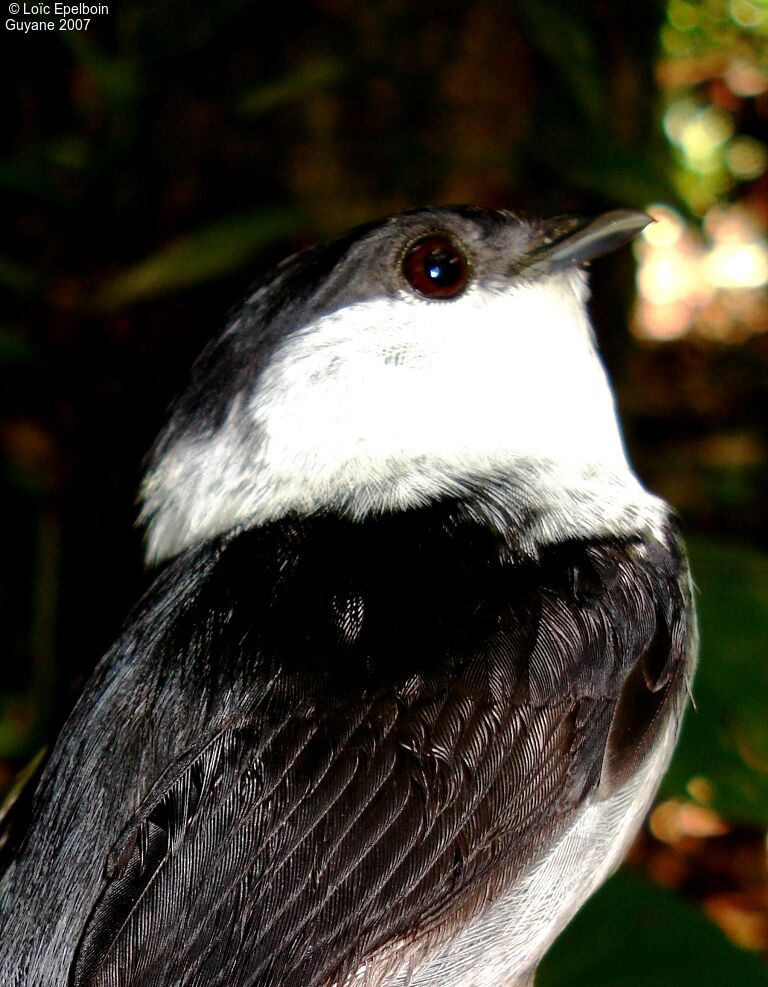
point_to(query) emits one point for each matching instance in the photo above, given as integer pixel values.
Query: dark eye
(436, 267)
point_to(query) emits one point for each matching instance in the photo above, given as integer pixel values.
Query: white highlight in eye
(389, 403)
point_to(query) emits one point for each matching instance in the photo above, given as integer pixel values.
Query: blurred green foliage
(636, 934)
(725, 738)
(207, 253)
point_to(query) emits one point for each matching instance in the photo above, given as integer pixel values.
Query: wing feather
(401, 751)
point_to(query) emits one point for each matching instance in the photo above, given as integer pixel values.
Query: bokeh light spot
(744, 78)
(746, 14)
(746, 157)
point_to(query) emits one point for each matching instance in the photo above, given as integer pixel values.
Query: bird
(415, 653)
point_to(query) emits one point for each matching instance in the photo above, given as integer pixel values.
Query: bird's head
(431, 353)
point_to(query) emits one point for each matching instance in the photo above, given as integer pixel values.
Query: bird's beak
(568, 241)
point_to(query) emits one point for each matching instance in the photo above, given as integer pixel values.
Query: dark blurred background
(155, 162)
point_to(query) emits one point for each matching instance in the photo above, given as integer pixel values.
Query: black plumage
(407, 684)
(321, 736)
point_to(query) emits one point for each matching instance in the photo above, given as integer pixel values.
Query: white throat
(388, 404)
